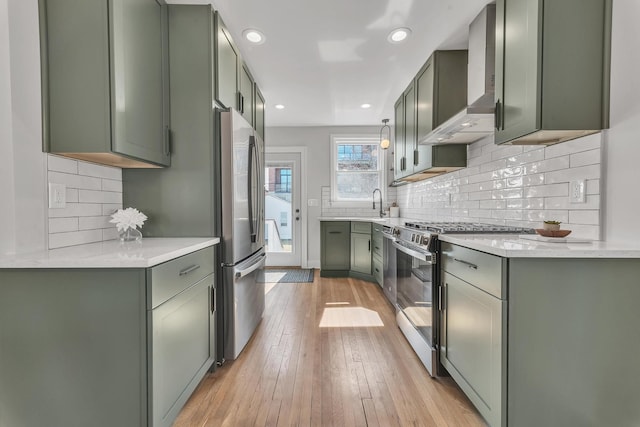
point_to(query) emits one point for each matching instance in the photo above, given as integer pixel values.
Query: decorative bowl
(552, 233)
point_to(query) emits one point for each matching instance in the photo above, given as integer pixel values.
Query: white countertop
(511, 246)
(110, 254)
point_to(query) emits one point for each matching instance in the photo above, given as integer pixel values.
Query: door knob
(297, 218)
(297, 210)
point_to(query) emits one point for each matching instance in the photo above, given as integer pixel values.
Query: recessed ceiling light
(399, 35)
(253, 35)
(365, 106)
(279, 106)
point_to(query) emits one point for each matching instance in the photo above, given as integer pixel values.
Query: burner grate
(466, 227)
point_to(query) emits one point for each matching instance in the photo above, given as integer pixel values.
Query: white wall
(7, 213)
(23, 191)
(622, 141)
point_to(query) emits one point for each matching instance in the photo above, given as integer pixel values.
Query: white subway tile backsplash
(591, 157)
(507, 151)
(75, 181)
(60, 225)
(94, 222)
(547, 190)
(89, 196)
(109, 233)
(112, 185)
(72, 195)
(99, 171)
(93, 193)
(593, 186)
(76, 210)
(590, 142)
(585, 217)
(59, 240)
(567, 175)
(108, 209)
(62, 164)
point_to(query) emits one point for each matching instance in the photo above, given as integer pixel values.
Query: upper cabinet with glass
(552, 70)
(105, 81)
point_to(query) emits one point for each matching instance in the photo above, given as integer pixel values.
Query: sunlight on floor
(273, 276)
(268, 287)
(350, 317)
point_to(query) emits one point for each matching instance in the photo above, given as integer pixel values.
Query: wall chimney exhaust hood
(477, 120)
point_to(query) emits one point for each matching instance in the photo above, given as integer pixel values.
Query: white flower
(125, 219)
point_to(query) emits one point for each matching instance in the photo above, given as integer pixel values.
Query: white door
(283, 210)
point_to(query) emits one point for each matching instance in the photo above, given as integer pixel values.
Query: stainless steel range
(417, 255)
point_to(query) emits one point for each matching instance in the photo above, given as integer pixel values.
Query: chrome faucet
(374, 201)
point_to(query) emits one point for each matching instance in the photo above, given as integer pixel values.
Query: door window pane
(278, 229)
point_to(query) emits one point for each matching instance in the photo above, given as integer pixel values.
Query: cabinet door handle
(498, 115)
(167, 141)
(467, 263)
(441, 294)
(213, 300)
(335, 232)
(415, 157)
(188, 270)
(369, 245)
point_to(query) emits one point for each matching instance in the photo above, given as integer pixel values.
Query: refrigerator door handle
(250, 180)
(250, 269)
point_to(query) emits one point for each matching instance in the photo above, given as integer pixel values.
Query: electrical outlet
(578, 191)
(57, 196)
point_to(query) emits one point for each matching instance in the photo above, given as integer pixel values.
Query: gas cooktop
(466, 227)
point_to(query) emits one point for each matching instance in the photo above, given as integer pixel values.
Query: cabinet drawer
(478, 268)
(377, 243)
(360, 227)
(172, 277)
(377, 269)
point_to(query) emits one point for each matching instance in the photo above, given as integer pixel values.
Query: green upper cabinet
(226, 67)
(552, 70)
(437, 92)
(258, 121)
(245, 94)
(399, 168)
(105, 81)
(441, 90)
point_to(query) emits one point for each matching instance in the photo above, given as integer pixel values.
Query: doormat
(297, 275)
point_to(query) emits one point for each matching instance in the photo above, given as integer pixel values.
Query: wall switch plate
(578, 191)
(57, 196)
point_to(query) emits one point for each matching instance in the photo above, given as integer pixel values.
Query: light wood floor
(295, 372)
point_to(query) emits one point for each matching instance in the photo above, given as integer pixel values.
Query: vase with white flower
(127, 222)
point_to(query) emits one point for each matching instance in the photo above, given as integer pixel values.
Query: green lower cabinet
(536, 341)
(105, 347)
(347, 250)
(361, 253)
(335, 248)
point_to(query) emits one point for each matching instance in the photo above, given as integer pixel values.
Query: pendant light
(385, 137)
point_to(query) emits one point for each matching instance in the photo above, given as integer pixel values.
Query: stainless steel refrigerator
(242, 225)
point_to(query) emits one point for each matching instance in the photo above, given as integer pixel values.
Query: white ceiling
(322, 59)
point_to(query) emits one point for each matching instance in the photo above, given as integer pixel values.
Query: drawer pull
(335, 232)
(467, 263)
(189, 270)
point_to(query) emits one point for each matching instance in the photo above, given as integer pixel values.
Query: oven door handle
(427, 258)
